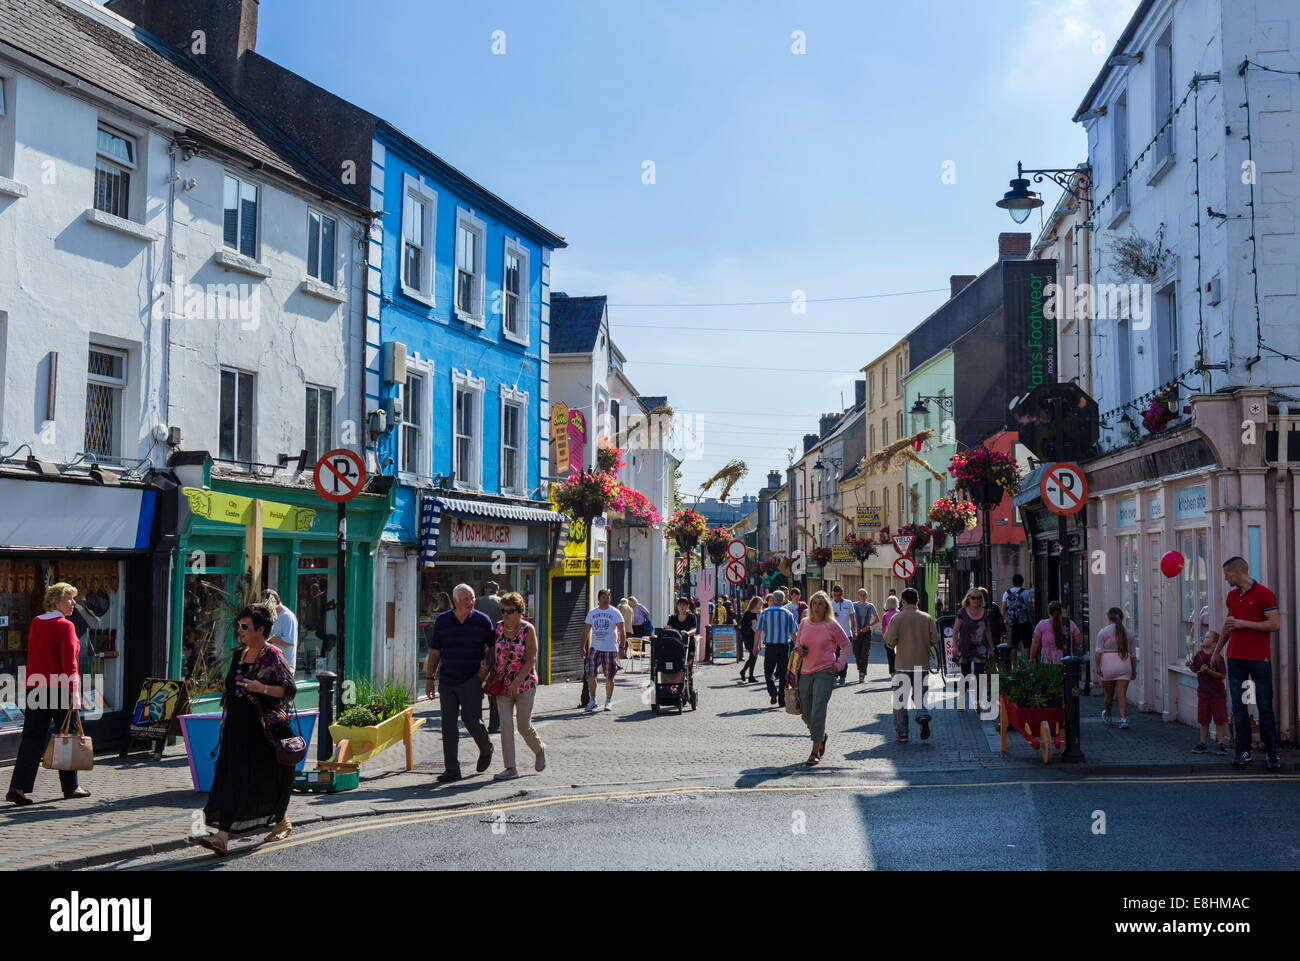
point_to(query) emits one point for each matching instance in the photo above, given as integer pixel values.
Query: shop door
(1154, 666)
(618, 579)
(568, 615)
(389, 660)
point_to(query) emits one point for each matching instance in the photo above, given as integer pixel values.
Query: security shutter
(568, 614)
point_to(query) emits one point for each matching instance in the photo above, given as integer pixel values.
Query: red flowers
(980, 465)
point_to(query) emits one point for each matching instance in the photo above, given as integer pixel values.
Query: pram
(672, 671)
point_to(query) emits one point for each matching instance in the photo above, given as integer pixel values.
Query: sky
(865, 166)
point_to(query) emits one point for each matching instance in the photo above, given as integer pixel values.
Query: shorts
(607, 660)
(1211, 707)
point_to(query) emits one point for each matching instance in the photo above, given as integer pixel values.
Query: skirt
(1114, 667)
(250, 790)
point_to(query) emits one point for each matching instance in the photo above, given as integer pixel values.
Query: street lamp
(920, 409)
(1020, 201)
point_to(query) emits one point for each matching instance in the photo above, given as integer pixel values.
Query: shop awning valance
(507, 512)
(1029, 492)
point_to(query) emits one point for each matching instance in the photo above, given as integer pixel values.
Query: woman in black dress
(747, 638)
(251, 788)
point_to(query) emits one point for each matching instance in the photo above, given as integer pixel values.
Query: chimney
(809, 442)
(774, 479)
(1013, 246)
(826, 423)
(959, 282)
(216, 33)
(859, 393)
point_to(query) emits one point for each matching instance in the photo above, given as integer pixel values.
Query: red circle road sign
(905, 568)
(1064, 488)
(339, 476)
(735, 570)
(736, 550)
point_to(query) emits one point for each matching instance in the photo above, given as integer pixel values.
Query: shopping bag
(70, 749)
(792, 705)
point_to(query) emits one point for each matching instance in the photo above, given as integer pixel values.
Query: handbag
(290, 750)
(792, 705)
(67, 751)
(496, 684)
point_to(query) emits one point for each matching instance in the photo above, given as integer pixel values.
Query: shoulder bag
(67, 751)
(288, 750)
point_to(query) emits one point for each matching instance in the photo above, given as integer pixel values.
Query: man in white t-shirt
(601, 637)
(847, 616)
(284, 633)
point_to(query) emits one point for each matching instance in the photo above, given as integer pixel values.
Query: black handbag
(288, 750)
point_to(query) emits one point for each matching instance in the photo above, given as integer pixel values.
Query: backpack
(1017, 606)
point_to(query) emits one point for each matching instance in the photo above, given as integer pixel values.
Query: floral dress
(510, 654)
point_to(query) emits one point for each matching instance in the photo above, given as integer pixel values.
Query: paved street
(735, 741)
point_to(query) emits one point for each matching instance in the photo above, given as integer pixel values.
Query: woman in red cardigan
(52, 649)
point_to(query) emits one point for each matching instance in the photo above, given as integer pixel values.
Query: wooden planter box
(1040, 726)
(357, 744)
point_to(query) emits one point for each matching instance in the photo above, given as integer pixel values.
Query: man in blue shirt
(775, 629)
(462, 644)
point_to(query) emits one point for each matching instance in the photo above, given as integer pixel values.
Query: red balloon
(1171, 565)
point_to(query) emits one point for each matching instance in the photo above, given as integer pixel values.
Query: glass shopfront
(317, 615)
(1130, 589)
(1194, 588)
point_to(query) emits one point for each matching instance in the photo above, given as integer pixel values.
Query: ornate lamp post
(1020, 201)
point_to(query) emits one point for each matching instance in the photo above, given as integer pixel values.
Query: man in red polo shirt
(1252, 617)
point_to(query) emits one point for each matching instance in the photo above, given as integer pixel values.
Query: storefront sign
(233, 509)
(843, 554)
(577, 566)
(1031, 337)
(1189, 502)
(1156, 507)
(489, 535)
(724, 642)
(1126, 513)
(868, 518)
(66, 516)
(560, 436)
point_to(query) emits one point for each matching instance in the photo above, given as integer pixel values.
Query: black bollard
(1073, 754)
(1004, 658)
(325, 743)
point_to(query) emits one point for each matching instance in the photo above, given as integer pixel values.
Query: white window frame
(131, 168)
(475, 315)
(1162, 100)
(252, 414)
(1120, 159)
(464, 380)
(320, 259)
(256, 255)
(519, 483)
(323, 444)
(525, 280)
(419, 190)
(119, 386)
(423, 467)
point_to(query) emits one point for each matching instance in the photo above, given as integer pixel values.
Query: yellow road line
(529, 803)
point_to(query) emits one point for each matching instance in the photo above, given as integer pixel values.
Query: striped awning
(506, 512)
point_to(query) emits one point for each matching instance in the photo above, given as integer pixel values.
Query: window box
(244, 265)
(119, 224)
(324, 291)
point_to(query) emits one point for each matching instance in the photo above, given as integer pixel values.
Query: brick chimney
(774, 479)
(826, 423)
(1013, 246)
(216, 33)
(959, 282)
(859, 393)
(809, 442)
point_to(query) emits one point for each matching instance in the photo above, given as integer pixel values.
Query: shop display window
(317, 615)
(207, 627)
(22, 586)
(1130, 590)
(436, 584)
(1194, 588)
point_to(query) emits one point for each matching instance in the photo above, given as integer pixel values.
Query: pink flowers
(687, 524)
(980, 465)
(953, 515)
(1158, 415)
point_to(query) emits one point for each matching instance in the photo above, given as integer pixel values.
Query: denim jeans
(1261, 672)
(776, 660)
(908, 685)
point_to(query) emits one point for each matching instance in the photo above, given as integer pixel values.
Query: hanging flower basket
(984, 474)
(609, 459)
(768, 567)
(953, 516)
(920, 532)
(716, 540)
(1158, 414)
(863, 547)
(822, 555)
(585, 495)
(686, 527)
(633, 503)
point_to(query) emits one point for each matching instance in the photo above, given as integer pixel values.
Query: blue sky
(775, 172)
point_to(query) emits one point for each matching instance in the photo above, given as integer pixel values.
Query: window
(413, 243)
(871, 391)
(898, 375)
(106, 371)
(901, 432)
(514, 294)
(884, 432)
(1123, 361)
(514, 407)
(470, 234)
(467, 435)
(236, 422)
(872, 448)
(240, 223)
(321, 231)
(114, 162)
(1162, 103)
(902, 508)
(1194, 588)
(884, 382)
(320, 422)
(413, 425)
(884, 511)
(6, 127)
(1166, 305)
(1119, 136)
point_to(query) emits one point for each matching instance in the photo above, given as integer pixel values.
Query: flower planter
(365, 742)
(986, 493)
(1039, 726)
(202, 732)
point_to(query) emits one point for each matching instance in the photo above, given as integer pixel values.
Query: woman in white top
(1115, 662)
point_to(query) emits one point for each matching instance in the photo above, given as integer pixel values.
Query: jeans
(909, 685)
(1261, 672)
(36, 734)
(814, 698)
(862, 651)
(522, 707)
(776, 660)
(465, 699)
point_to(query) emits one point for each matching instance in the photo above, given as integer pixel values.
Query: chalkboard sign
(724, 642)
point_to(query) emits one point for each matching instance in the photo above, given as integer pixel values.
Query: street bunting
(903, 543)
(904, 568)
(233, 509)
(736, 550)
(339, 475)
(868, 519)
(1064, 489)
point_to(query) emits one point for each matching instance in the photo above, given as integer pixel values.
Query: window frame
(119, 386)
(320, 258)
(425, 194)
(465, 381)
(128, 168)
(252, 414)
(474, 316)
(422, 409)
(240, 182)
(519, 483)
(1164, 149)
(321, 445)
(525, 279)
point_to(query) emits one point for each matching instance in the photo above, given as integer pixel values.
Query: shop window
(106, 372)
(210, 606)
(22, 588)
(320, 422)
(1130, 587)
(1194, 589)
(317, 615)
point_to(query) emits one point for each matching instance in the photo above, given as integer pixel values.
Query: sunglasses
(241, 627)
(510, 610)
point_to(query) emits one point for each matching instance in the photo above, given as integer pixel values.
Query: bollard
(1004, 658)
(325, 743)
(1073, 754)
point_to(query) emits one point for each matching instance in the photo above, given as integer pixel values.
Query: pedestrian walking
(1211, 693)
(974, 637)
(461, 645)
(774, 630)
(891, 611)
(997, 624)
(250, 789)
(1016, 605)
(52, 687)
(625, 608)
(909, 635)
(846, 614)
(602, 634)
(1116, 665)
(284, 633)
(1053, 629)
(796, 606)
(490, 604)
(514, 658)
(825, 647)
(1252, 617)
(867, 618)
(684, 622)
(748, 644)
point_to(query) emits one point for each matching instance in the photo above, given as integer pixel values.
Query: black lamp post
(1020, 201)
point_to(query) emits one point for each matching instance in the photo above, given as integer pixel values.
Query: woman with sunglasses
(515, 659)
(974, 634)
(251, 787)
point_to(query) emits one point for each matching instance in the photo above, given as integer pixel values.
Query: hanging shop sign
(560, 436)
(233, 509)
(467, 532)
(868, 519)
(1031, 336)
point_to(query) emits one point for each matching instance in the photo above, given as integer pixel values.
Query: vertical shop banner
(1030, 334)
(430, 524)
(560, 437)
(577, 440)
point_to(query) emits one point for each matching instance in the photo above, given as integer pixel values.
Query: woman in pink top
(825, 648)
(891, 608)
(1049, 636)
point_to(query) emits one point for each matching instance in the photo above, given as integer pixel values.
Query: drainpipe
(1285, 561)
(169, 267)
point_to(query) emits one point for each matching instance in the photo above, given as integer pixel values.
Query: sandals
(815, 757)
(282, 831)
(79, 792)
(215, 842)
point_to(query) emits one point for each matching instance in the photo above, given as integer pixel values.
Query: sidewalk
(139, 806)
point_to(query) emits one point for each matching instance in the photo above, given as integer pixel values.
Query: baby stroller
(672, 672)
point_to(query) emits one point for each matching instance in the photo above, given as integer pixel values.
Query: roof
(653, 403)
(104, 51)
(1124, 39)
(575, 322)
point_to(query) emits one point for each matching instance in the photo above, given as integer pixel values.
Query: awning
(508, 512)
(63, 515)
(1029, 491)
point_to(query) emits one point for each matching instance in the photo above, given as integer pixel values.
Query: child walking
(1211, 693)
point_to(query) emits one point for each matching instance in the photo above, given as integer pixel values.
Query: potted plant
(1033, 693)
(986, 475)
(686, 527)
(820, 555)
(609, 459)
(1160, 412)
(953, 516)
(716, 540)
(379, 717)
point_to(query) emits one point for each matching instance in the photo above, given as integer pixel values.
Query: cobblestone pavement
(139, 805)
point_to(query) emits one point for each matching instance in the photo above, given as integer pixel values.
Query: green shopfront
(213, 563)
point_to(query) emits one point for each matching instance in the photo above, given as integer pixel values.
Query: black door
(568, 615)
